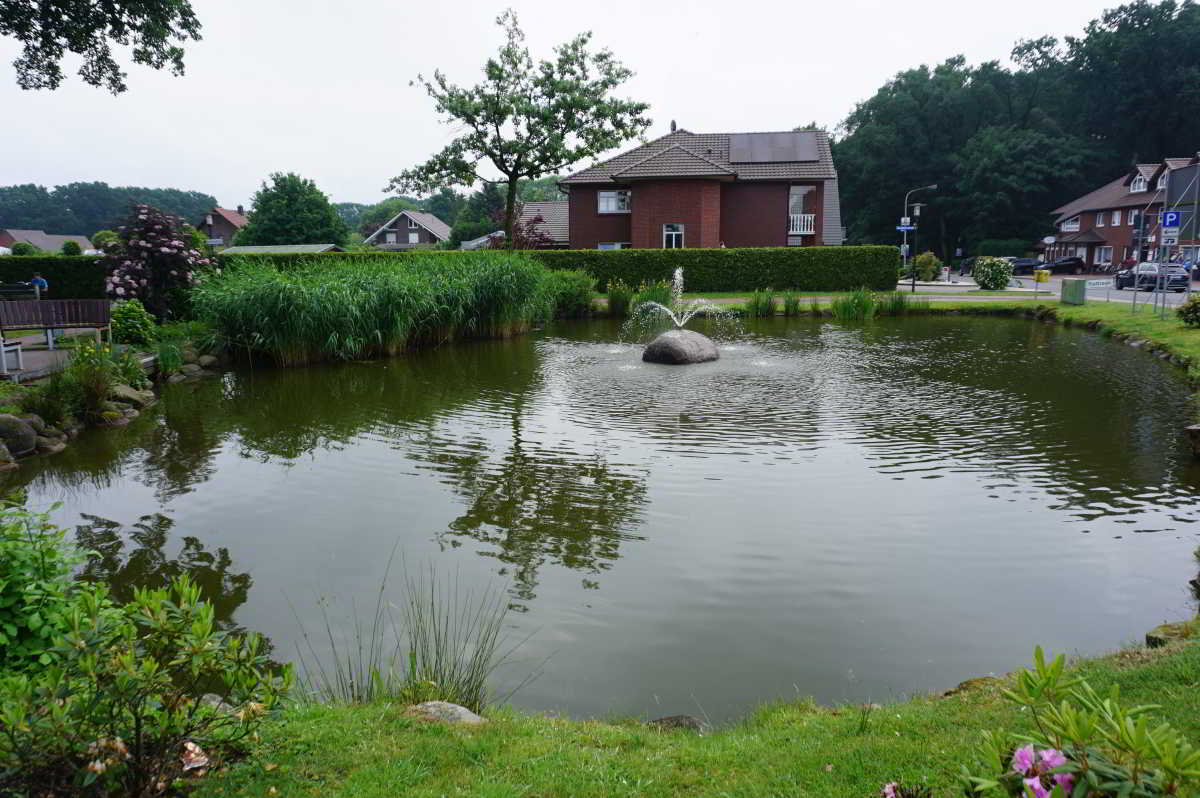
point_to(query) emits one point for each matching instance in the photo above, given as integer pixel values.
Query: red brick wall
(1119, 237)
(754, 214)
(696, 204)
(587, 226)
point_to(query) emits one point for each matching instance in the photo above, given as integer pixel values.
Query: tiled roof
(714, 148)
(283, 249)
(554, 218)
(233, 217)
(1111, 195)
(430, 223)
(47, 242)
(1086, 237)
(1147, 170)
(1177, 163)
(675, 161)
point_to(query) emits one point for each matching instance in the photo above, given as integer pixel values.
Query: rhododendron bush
(155, 261)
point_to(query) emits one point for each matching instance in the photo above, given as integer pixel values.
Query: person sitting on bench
(39, 282)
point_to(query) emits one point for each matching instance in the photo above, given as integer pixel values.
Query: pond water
(849, 512)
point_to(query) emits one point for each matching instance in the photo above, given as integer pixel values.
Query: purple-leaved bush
(154, 261)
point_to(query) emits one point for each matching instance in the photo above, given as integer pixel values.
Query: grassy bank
(789, 750)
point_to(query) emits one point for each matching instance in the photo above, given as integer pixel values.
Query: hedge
(70, 276)
(742, 269)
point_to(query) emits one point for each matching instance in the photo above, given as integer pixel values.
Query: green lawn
(789, 750)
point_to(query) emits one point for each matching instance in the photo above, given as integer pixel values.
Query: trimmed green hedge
(70, 276)
(742, 269)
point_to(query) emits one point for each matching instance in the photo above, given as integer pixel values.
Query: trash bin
(1074, 292)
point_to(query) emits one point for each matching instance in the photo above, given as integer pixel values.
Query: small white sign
(1170, 242)
(905, 221)
(1099, 284)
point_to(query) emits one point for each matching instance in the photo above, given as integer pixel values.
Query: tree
(291, 210)
(71, 248)
(528, 120)
(526, 235)
(540, 190)
(155, 261)
(48, 29)
(102, 238)
(445, 204)
(381, 213)
(24, 248)
(84, 208)
(351, 213)
(482, 213)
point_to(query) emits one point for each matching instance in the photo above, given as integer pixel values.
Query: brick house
(1120, 219)
(220, 225)
(410, 230)
(709, 190)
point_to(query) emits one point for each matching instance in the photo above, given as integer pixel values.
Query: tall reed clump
(659, 292)
(445, 644)
(761, 303)
(373, 307)
(620, 298)
(898, 303)
(791, 304)
(858, 305)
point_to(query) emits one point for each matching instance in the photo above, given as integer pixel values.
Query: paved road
(1054, 289)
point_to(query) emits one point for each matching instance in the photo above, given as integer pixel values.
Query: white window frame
(614, 245)
(1100, 255)
(1070, 225)
(672, 233)
(414, 238)
(1161, 183)
(615, 201)
(389, 237)
(1132, 216)
(1116, 218)
(412, 223)
(1100, 218)
(1138, 185)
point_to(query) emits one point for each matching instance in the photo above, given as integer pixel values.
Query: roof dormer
(1139, 184)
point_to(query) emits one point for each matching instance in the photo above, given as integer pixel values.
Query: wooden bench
(56, 314)
(11, 291)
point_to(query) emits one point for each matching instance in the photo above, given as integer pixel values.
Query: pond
(851, 512)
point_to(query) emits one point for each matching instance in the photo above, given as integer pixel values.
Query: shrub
(120, 712)
(95, 369)
(858, 305)
(659, 291)
(155, 262)
(620, 298)
(1082, 744)
(131, 324)
(992, 274)
(102, 238)
(36, 564)
(1189, 314)
(69, 277)
(927, 265)
(24, 248)
(58, 401)
(791, 304)
(571, 293)
(761, 303)
(71, 249)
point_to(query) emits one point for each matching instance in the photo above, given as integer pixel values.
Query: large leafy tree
(84, 208)
(291, 210)
(482, 213)
(445, 204)
(48, 29)
(528, 119)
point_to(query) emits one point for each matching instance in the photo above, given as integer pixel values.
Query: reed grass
(858, 305)
(375, 307)
(761, 303)
(899, 303)
(791, 304)
(620, 298)
(659, 292)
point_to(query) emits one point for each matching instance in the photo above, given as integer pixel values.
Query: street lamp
(903, 218)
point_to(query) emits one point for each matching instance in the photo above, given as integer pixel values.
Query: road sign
(1170, 242)
(1172, 219)
(1099, 283)
(906, 227)
(904, 220)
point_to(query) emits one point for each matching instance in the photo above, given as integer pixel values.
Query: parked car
(1024, 265)
(1068, 265)
(1144, 277)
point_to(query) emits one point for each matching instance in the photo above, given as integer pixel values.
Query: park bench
(11, 291)
(51, 315)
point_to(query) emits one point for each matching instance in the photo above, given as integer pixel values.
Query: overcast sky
(321, 88)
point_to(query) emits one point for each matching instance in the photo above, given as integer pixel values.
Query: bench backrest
(35, 314)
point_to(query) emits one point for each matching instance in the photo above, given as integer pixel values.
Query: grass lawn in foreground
(786, 750)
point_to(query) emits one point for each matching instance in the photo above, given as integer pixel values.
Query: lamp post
(904, 215)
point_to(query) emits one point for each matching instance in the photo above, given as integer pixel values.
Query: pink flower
(1023, 759)
(1035, 786)
(120, 291)
(889, 790)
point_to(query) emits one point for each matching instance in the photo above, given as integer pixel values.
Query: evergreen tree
(291, 210)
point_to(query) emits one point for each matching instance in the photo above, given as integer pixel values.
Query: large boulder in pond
(680, 347)
(17, 435)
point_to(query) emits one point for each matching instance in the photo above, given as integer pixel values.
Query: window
(1132, 217)
(412, 224)
(1161, 183)
(613, 201)
(1100, 219)
(672, 236)
(1104, 254)
(1116, 218)
(414, 238)
(1138, 184)
(1071, 225)
(391, 237)
(613, 245)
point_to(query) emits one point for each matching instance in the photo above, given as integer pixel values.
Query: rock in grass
(677, 722)
(1166, 633)
(18, 436)
(680, 347)
(445, 712)
(206, 361)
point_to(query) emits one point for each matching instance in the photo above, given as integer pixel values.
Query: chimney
(241, 211)
(672, 125)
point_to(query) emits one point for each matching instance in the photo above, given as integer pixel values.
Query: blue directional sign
(1172, 218)
(906, 227)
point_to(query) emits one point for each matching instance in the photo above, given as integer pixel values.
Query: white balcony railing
(802, 224)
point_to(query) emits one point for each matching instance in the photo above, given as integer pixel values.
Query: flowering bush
(155, 261)
(1084, 745)
(992, 274)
